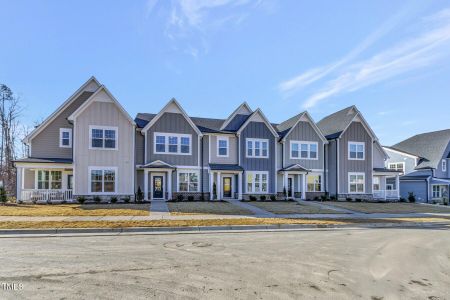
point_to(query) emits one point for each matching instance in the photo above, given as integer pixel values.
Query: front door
(158, 190)
(227, 189)
(290, 187)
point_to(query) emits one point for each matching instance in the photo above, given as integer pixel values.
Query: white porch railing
(45, 195)
(385, 194)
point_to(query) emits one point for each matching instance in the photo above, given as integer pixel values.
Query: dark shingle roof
(333, 125)
(284, 127)
(236, 122)
(225, 167)
(430, 146)
(45, 160)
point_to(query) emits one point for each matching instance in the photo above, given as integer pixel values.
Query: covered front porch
(386, 184)
(225, 181)
(44, 180)
(157, 180)
(294, 182)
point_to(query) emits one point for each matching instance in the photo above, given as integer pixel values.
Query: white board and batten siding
(102, 112)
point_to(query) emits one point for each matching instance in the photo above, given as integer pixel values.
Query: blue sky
(390, 58)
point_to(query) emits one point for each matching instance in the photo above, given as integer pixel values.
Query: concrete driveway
(339, 264)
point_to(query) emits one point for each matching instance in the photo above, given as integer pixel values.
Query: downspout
(337, 171)
(201, 166)
(325, 170)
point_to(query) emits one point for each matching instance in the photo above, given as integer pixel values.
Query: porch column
(304, 187)
(169, 185)
(211, 183)
(299, 185)
(285, 180)
(145, 184)
(385, 187)
(397, 185)
(219, 187)
(239, 185)
(19, 184)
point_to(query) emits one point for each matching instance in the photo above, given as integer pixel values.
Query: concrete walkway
(159, 208)
(256, 210)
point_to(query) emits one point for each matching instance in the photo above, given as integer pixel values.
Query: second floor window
(397, 166)
(304, 150)
(222, 146)
(65, 137)
(356, 150)
(444, 165)
(103, 137)
(257, 148)
(171, 143)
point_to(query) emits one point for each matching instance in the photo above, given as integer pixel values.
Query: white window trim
(116, 177)
(308, 143)
(356, 143)
(373, 183)
(253, 182)
(50, 179)
(321, 183)
(364, 182)
(178, 136)
(253, 140)
(116, 129)
(391, 185)
(61, 130)
(227, 140)
(187, 171)
(395, 165)
(444, 165)
(440, 191)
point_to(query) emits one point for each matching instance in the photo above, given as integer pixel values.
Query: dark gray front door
(158, 187)
(290, 187)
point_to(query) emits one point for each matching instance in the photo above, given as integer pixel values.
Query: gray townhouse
(90, 146)
(423, 162)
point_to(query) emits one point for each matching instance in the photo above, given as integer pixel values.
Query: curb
(282, 227)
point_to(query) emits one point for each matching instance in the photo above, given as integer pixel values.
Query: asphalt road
(339, 264)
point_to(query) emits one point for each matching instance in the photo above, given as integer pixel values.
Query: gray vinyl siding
(206, 146)
(205, 181)
(46, 143)
(355, 133)
(378, 157)
(279, 156)
(395, 157)
(259, 130)
(232, 150)
(303, 131)
(29, 179)
(438, 173)
(419, 188)
(173, 123)
(140, 148)
(331, 166)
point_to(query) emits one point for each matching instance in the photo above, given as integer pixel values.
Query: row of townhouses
(91, 146)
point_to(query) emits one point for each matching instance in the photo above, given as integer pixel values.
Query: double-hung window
(102, 180)
(65, 137)
(376, 183)
(437, 191)
(188, 181)
(49, 180)
(314, 183)
(172, 143)
(103, 137)
(356, 150)
(356, 183)
(304, 150)
(444, 165)
(222, 146)
(397, 166)
(257, 182)
(257, 148)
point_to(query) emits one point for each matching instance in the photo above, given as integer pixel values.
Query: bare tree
(9, 119)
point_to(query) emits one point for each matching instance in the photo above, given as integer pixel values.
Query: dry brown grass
(215, 222)
(280, 207)
(206, 208)
(390, 208)
(75, 210)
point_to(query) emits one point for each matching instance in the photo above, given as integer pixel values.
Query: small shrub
(139, 195)
(64, 202)
(445, 201)
(180, 197)
(348, 199)
(190, 198)
(411, 197)
(358, 199)
(252, 198)
(262, 197)
(97, 199)
(81, 199)
(202, 197)
(113, 199)
(49, 201)
(333, 198)
(273, 198)
(402, 199)
(126, 199)
(3, 196)
(324, 198)
(316, 198)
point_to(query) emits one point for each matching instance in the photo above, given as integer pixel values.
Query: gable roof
(334, 125)
(266, 121)
(91, 99)
(173, 101)
(430, 146)
(61, 108)
(286, 127)
(244, 106)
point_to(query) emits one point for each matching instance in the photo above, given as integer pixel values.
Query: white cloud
(426, 48)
